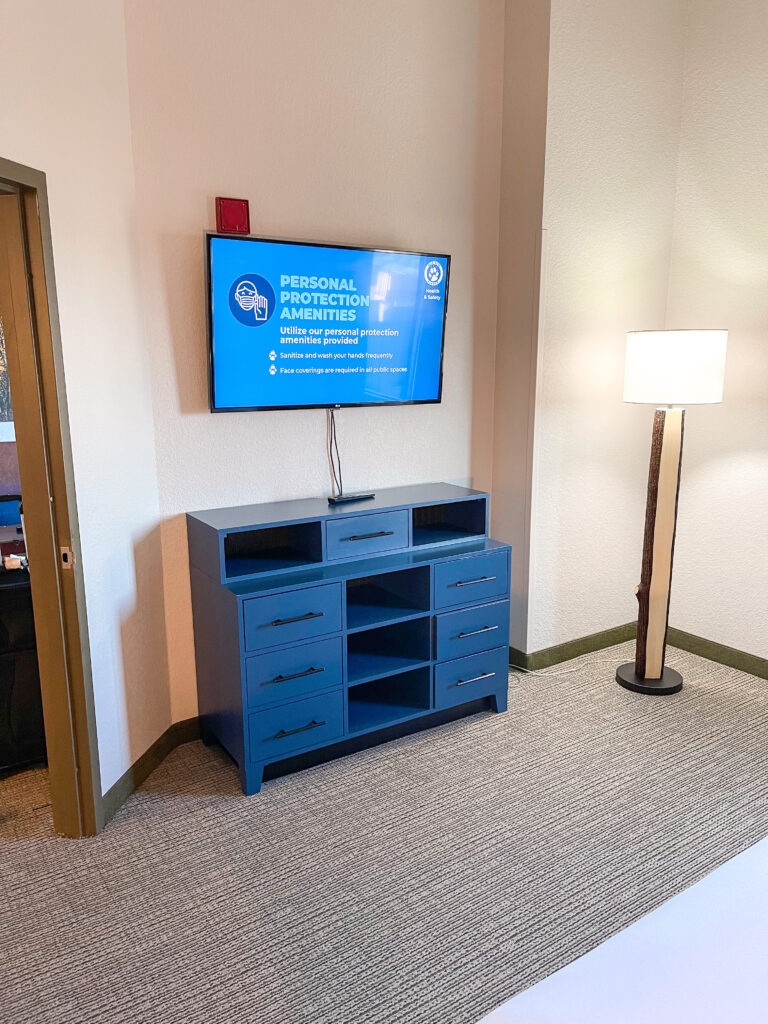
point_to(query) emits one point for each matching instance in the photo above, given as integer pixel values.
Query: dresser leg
(207, 737)
(250, 778)
(499, 700)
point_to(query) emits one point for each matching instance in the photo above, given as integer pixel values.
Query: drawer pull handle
(294, 732)
(476, 632)
(474, 679)
(296, 675)
(369, 536)
(298, 618)
(469, 583)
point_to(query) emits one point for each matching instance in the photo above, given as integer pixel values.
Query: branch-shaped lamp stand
(648, 674)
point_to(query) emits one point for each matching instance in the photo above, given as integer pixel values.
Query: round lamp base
(670, 682)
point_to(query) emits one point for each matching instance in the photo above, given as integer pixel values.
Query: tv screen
(300, 325)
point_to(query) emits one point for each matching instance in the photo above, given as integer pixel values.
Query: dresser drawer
(466, 679)
(293, 671)
(305, 723)
(476, 578)
(472, 629)
(294, 615)
(364, 535)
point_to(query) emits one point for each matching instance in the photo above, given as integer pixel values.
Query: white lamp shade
(675, 367)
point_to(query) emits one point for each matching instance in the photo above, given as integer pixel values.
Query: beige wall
(612, 135)
(64, 111)
(348, 121)
(526, 48)
(656, 214)
(719, 278)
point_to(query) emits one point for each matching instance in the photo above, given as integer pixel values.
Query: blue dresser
(317, 624)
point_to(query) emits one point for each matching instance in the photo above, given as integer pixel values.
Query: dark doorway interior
(22, 732)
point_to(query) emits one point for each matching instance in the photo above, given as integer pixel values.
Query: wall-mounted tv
(299, 325)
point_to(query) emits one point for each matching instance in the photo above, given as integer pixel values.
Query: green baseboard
(174, 736)
(720, 653)
(729, 656)
(572, 648)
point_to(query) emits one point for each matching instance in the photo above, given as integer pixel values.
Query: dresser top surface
(333, 572)
(241, 517)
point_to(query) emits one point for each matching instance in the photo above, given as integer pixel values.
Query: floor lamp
(669, 369)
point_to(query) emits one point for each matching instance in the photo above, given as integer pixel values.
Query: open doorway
(49, 777)
(24, 793)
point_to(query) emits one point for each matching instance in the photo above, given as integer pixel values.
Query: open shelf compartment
(382, 702)
(272, 548)
(454, 520)
(387, 649)
(387, 597)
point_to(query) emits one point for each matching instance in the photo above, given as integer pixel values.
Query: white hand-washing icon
(247, 298)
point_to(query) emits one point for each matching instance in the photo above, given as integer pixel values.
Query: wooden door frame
(50, 518)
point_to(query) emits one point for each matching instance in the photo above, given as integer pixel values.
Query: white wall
(719, 278)
(348, 121)
(65, 111)
(609, 189)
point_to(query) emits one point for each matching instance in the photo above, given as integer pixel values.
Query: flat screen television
(300, 325)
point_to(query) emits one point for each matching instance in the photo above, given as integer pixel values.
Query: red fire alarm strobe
(233, 216)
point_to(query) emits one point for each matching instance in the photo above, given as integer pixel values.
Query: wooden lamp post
(669, 369)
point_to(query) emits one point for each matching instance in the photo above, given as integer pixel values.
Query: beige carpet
(421, 881)
(25, 807)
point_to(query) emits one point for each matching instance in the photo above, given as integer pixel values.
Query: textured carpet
(25, 807)
(426, 880)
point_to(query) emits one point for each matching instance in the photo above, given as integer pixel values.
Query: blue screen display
(296, 324)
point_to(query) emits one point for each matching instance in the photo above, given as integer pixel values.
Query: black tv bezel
(320, 245)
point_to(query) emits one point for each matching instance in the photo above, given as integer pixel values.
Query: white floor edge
(700, 958)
